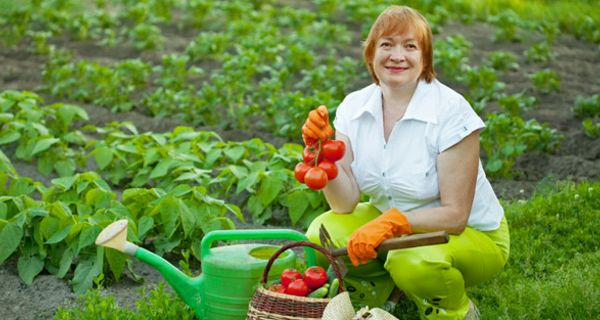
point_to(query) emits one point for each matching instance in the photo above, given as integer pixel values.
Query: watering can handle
(256, 234)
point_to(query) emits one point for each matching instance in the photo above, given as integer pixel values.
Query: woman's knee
(417, 266)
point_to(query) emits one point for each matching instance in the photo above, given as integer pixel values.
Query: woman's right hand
(316, 126)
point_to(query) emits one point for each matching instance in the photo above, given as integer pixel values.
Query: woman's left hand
(365, 240)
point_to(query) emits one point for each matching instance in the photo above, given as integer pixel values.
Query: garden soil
(578, 159)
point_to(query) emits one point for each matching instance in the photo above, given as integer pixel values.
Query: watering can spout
(189, 289)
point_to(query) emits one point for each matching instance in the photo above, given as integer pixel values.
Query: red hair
(396, 20)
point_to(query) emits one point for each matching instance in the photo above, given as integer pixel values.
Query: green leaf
(236, 211)
(10, 238)
(255, 206)
(43, 145)
(20, 186)
(270, 186)
(87, 270)
(82, 185)
(235, 153)
(508, 149)
(66, 112)
(65, 168)
(212, 156)
(297, 205)
(60, 235)
(3, 210)
(6, 165)
(151, 156)
(45, 166)
(35, 212)
(168, 215)
(65, 182)
(129, 126)
(65, 262)
(103, 157)
(162, 168)
(9, 136)
(144, 225)
(188, 220)
(238, 171)
(493, 165)
(246, 182)
(29, 267)
(87, 237)
(116, 262)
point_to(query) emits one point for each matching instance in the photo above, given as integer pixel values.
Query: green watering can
(229, 275)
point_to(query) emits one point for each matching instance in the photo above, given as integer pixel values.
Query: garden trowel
(408, 241)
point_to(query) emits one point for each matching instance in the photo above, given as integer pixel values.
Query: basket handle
(332, 260)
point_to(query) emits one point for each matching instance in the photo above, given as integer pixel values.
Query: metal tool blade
(327, 243)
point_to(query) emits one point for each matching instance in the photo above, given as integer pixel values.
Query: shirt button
(383, 174)
(389, 197)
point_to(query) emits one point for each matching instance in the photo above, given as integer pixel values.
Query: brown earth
(578, 158)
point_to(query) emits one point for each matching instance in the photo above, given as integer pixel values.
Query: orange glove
(364, 240)
(316, 126)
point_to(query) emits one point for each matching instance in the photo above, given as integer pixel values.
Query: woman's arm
(342, 193)
(457, 173)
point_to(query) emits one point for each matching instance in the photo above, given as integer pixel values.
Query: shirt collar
(373, 104)
(421, 106)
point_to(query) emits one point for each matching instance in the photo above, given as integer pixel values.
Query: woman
(412, 147)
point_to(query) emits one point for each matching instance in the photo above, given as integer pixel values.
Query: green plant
(507, 25)
(550, 29)
(451, 55)
(591, 128)
(516, 104)
(41, 133)
(501, 61)
(587, 29)
(507, 137)
(540, 52)
(156, 304)
(586, 107)
(546, 80)
(482, 82)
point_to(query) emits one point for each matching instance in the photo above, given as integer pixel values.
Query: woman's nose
(397, 54)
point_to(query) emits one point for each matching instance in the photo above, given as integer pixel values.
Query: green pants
(434, 277)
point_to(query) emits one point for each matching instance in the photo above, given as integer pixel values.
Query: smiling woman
(413, 148)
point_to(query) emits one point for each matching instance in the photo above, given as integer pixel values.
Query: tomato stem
(317, 152)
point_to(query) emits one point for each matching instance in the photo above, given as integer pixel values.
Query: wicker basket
(270, 305)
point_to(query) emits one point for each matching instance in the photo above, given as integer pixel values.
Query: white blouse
(402, 173)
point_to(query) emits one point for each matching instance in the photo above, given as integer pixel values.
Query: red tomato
(277, 287)
(333, 149)
(298, 288)
(309, 154)
(289, 275)
(330, 168)
(315, 277)
(300, 171)
(315, 178)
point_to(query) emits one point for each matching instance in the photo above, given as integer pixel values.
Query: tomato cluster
(318, 165)
(295, 283)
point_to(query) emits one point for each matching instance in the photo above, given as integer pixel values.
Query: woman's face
(398, 60)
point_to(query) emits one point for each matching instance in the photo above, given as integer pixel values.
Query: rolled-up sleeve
(459, 121)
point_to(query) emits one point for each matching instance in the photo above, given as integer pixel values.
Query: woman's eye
(385, 44)
(411, 46)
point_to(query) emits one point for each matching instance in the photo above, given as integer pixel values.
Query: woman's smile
(396, 69)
